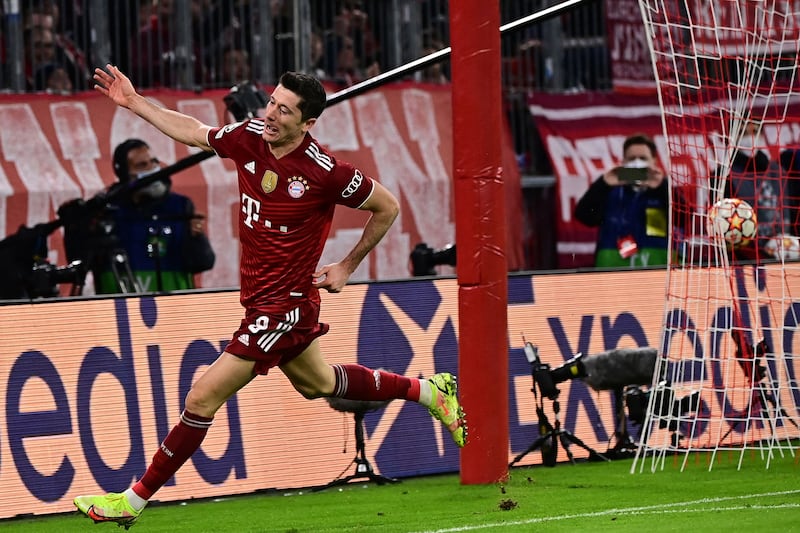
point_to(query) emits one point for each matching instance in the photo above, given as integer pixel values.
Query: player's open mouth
(270, 130)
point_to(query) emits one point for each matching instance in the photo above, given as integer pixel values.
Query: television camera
(424, 259)
(245, 100)
(24, 270)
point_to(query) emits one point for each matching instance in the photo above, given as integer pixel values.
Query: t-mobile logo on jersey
(250, 207)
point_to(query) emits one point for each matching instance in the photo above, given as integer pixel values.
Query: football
(732, 221)
(784, 247)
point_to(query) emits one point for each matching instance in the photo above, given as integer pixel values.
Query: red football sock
(356, 382)
(179, 445)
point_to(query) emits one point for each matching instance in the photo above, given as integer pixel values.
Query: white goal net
(727, 378)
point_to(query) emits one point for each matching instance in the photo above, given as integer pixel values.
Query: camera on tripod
(667, 408)
(547, 378)
(424, 259)
(550, 435)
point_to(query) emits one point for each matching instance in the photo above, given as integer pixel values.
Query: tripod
(757, 371)
(764, 398)
(118, 265)
(551, 435)
(624, 445)
(363, 467)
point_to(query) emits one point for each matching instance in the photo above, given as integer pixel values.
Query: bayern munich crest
(298, 186)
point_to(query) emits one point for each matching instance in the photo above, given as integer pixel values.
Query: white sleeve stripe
(321, 159)
(368, 196)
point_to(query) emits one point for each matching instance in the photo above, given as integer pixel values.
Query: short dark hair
(640, 138)
(120, 159)
(309, 89)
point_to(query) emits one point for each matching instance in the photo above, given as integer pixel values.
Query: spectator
(52, 78)
(234, 67)
(317, 67)
(629, 204)
(156, 57)
(350, 50)
(40, 50)
(762, 182)
(155, 232)
(46, 14)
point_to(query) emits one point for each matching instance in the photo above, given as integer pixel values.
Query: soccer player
(289, 186)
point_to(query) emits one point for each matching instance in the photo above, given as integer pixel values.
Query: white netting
(726, 74)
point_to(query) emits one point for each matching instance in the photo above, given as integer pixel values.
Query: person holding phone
(629, 204)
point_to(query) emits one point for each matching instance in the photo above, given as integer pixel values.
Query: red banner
(716, 26)
(631, 67)
(53, 149)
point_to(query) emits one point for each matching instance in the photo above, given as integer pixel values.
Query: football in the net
(784, 247)
(732, 221)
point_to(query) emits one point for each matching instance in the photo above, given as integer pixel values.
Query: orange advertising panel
(91, 387)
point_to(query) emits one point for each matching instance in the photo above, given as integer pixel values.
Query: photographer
(143, 237)
(630, 206)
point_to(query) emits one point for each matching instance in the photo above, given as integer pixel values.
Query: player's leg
(309, 374)
(219, 382)
(313, 378)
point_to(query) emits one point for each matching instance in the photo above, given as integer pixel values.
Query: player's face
(283, 120)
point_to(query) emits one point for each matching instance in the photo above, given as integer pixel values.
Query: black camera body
(542, 377)
(44, 278)
(667, 407)
(245, 100)
(424, 259)
(547, 378)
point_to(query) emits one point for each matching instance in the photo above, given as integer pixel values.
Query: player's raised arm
(183, 128)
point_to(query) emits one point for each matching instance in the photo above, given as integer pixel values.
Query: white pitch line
(650, 509)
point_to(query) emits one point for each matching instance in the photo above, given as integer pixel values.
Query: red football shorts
(276, 334)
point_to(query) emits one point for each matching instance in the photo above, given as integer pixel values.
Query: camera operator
(137, 237)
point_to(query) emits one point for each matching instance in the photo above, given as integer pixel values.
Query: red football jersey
(286, 209)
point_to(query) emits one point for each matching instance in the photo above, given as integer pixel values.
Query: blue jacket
(624, 211)
(162, 252)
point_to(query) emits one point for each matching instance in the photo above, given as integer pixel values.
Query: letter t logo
(250, 207)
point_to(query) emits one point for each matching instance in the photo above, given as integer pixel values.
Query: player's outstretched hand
(113, 83)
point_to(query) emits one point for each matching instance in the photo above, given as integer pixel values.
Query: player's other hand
(331, 278)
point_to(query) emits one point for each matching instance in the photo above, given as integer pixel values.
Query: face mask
(154, 191)
(637, 162)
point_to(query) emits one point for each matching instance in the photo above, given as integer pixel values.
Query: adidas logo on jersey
(250, 167)
(244, 338)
